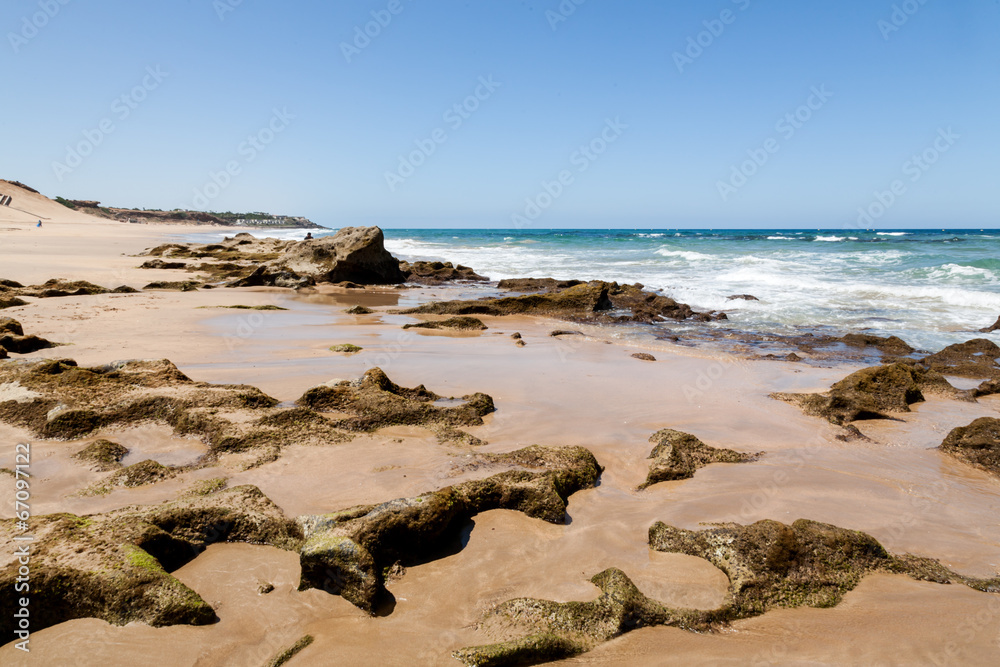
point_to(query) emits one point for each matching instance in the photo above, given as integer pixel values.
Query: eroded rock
(461, 323)
(116, 566)
(102, 455)
(374, 401)
(976, 358)
(61, 400)
(873, 393)
(771, 565)
(348, 552)
(438, 273)
(977, 444)
(679, 455)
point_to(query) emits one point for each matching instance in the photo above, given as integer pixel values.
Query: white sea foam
(689, 255)
(780, 238)
(892, 233)
(829, 238)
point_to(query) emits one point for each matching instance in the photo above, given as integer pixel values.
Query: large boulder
(355, 254)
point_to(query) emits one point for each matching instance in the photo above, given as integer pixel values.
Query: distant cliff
(183, 217)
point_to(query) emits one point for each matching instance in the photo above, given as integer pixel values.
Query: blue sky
(669, 136)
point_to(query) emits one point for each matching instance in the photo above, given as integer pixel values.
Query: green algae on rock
(348, 552)
(874, 393)
(348, 348)
(116, 566)
(977, 444)
(678, 455)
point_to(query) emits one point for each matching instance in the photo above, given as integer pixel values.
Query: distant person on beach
(309, 236)
(39, 224)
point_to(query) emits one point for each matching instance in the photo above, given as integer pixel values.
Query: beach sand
(577, 390)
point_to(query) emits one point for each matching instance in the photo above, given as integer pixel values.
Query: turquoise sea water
(930, 287)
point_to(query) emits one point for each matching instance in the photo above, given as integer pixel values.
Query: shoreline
(560, 391)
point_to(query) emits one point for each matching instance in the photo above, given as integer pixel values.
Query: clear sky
(669, 124)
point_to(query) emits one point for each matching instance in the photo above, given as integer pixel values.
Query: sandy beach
(556, 391)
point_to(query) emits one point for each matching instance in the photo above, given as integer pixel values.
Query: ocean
(929, 287)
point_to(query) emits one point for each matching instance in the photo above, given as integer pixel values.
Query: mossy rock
(977, 444)
(678, 455)
(115, 566)
(456, 323)
(103, 455)
(290, 652)
(348, 552)
(347, 348)
(359, 310)
(375, 402)
(874, 393)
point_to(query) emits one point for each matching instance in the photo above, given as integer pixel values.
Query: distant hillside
(182, 217)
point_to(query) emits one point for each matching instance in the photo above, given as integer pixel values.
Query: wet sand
(576, 390)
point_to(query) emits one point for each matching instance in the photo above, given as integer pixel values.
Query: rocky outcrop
(891, 345)
(374, 401)
(348, 552)
(873, 393)
(679, 455)
(976, 358)
(769, 565)
(977, 444)
(587, 302)
(558, 630)
(356, 254)
(438, 273)
(461, 323)
(742, 297)
(61, 288)
(528, 285)
(580, 301)
(116, 566)
(643, 356)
